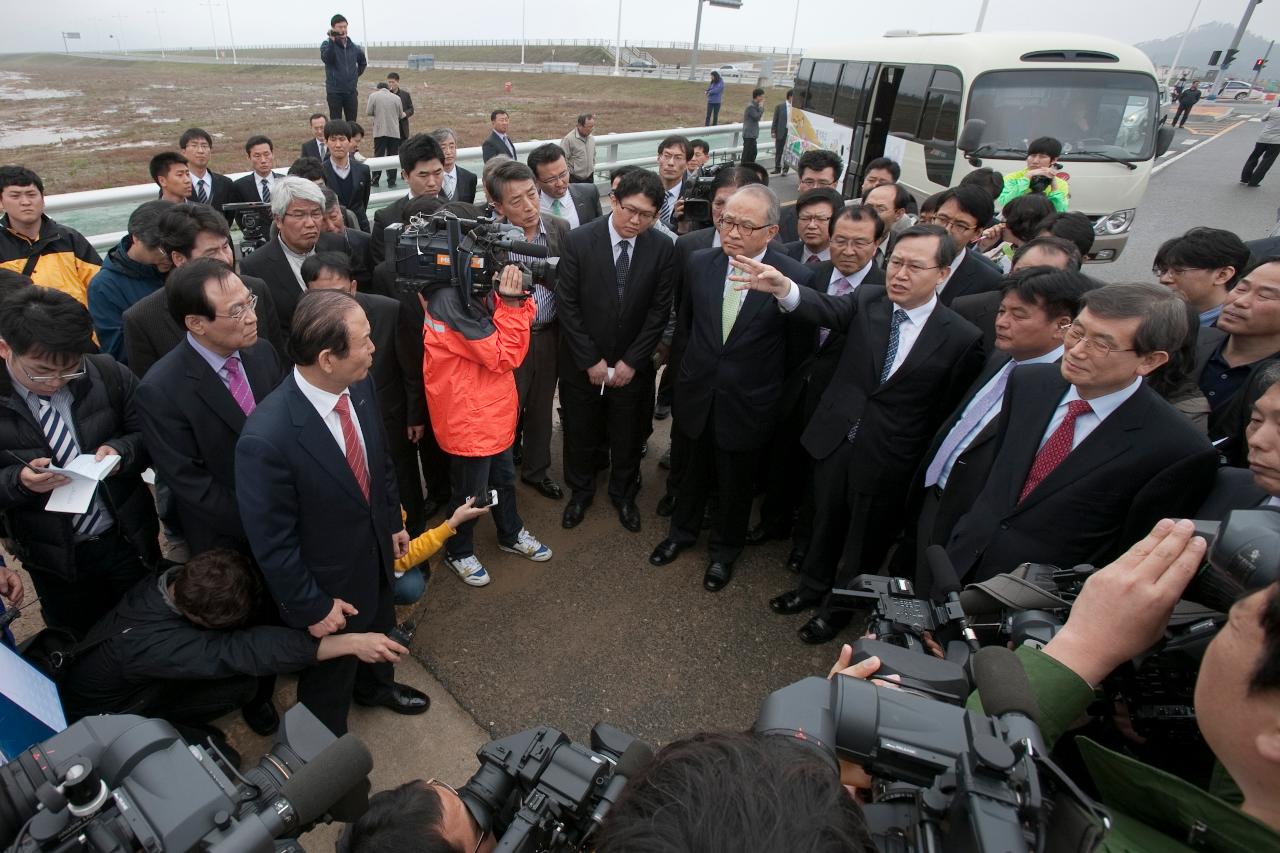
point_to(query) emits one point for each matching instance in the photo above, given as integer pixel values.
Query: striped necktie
(62, 443)
(351, 445)
(266, 191)
(201, 195)
(239, 386)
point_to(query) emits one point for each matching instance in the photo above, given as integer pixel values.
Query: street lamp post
(617, 47)
(791, 49)
(159, 33)
(213, 27)
(231, 34)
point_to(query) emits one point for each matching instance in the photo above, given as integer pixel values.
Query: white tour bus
(941, 105)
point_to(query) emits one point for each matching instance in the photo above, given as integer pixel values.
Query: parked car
(1238, 90)
(642, 64)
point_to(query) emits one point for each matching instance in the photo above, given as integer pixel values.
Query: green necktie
(729, 306)
(555, 206)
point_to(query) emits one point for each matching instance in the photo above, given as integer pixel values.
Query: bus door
(879, 94)
(853, 96)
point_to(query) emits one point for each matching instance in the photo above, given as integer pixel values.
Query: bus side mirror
(971, 135)
(1164, 138)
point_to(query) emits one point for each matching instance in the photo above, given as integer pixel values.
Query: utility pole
(792, 47)
(157, 13)
(1235, 43)
(235, 60)
(212, 26)
(697, 34)
(1265, 57)
(120, 21)
(364, 25)
(982, 16)
(523, 8)
(1173, 69)
(617, 47)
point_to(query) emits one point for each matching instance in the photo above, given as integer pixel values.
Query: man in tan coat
(387, 109)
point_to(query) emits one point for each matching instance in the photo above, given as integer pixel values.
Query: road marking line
(1182, 154)
(1188, 142)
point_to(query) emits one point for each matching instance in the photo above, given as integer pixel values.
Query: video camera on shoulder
(254, 218)
(444, 249)
(697, 195)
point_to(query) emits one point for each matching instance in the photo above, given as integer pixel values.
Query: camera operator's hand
(369, 648)
(335, 621)
(466, 512)
(622, 374)
(760, 276)
(40, 482)
(598, 373)
(11, 586)
(851, 774)
(511, 283)
(1123, 608)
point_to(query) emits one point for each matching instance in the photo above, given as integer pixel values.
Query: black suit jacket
(1143, 463)
(382, 217)
(737, 383)
(247, 187)
(794, 249)
(360, 249)
(593, 325)
(974, 275)
(466, 187)
(312, 531)
(357, 199)
(980, 309)
(270, 264)
(397, 361)
(789, 225)
(779, 127)
(897, 418)
(221, 192)
(311, 148)
(586, 200)
(493, 145)
(150, 330)
(190, 424)
(1233, 488)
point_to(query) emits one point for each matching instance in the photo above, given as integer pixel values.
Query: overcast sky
(186, 23)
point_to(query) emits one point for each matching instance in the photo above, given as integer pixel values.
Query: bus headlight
(1114, 223)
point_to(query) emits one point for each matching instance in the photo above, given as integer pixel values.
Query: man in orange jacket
(471, 347)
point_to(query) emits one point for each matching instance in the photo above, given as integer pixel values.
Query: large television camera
(697, 195)
(254, 218)
(538, 790)
(444, 249)
(123, 782)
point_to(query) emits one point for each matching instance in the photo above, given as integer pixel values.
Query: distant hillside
(1207, 38)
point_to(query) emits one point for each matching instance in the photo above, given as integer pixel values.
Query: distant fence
(605, 43)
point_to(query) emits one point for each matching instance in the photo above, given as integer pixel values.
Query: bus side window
(800, 98)
(909, 104)
(938, 126)
(822, 87)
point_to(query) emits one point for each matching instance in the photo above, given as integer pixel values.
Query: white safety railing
(610, 150)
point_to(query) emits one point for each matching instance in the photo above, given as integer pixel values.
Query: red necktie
(813, 260)
(355, 453)
(1056, 448)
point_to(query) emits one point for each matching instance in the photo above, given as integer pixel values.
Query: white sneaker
(526, 546)
(469, 569)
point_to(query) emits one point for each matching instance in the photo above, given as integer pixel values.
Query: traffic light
(1259, 65)
(1229, 58)
(1214, 57)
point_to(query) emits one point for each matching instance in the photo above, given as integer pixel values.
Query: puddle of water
(145, 111)
(47, 136)
(10, 94)
(116, 146)
(163, 120)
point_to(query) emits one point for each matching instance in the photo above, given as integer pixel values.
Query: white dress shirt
(805, 254)
(326, 406)
(270, 178)
(955, 265)
(910, 330)
(207, 180)
(568, 210)
(616, 240)
(450, 183)
(341, 171)
(1101, 407)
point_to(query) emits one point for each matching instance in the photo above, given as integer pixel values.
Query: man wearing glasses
(815, 170)
(297, 207)
(59, 403)
(673, 155)
(576, 203)
(965, 211)
(1090, 457)
(906, 360)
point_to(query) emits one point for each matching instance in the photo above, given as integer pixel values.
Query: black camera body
(1040, 183)
(254, 218)
(697, 195)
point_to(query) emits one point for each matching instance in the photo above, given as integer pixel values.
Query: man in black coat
(317, 494)
(58, 402)
(906, 360)
(207, 186)
(1089, 457)
(497, 142)
(457, 184)
(964, 211)
(297, 206)
(422, 165)
(730, 381)
(345, 175)
(577, 204)
(406, 102)
(396, 372)
(613, 298)
(359, 249)
(316, 147)
(258, 185)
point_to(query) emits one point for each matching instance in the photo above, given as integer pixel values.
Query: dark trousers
(327, 688)
(779, 148)
(730, 473)
(536, 387)
(472, 475)
(408, 478)
(343, 104)
(615, 422)
(713, 115)
(1259, 162)
(435, 466)
(106, 567)
(748, 151)
(852, 530)
(386, 146)
(195, 703)
(1182, 113)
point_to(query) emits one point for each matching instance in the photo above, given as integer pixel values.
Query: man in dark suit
(458, 184)
(1238, 488)
(189, 232)
(497, 141)
(257, 185)
(815, 209)
(396, 372)
(422, 164)
(316, 146)
(1036, 305)
(1089, 457)
(906, 360)
(359, 243)
(406, 102)
(964, 211)
(345, 175)
(317, 495)
(576, 204)
(613, 296)
(778, 130)
(207, 186)
(297, 207)
(731, 380)
(816, 168)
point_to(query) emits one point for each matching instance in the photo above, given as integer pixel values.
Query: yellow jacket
(422, 547)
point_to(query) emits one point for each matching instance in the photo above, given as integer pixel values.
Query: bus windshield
(1089, 111)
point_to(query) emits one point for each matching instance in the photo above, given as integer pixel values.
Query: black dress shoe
(667, 505)
(762, 533)
(662, 411)
(795, 560)
(717, 576)
(629, 515)
(573, 514)
(262, 718)
(667, 550)
(795, 601)
(548, 487)
(819, 630)
(402, 699)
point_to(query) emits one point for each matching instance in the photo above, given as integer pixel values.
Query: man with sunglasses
(1090, 457)
(58, 402)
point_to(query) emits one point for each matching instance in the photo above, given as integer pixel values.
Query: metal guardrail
(608, 151)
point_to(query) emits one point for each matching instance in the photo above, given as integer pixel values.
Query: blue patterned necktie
(62, 443)
(899, 317)
(621, 267)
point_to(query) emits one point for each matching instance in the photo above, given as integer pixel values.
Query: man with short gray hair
(297, 207)
(459, 184)
(580, 150)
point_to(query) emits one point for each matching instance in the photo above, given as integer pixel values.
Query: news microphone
(1006, 694)
(633, 760)
(946, 585)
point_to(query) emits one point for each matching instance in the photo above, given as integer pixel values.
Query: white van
(941, 105)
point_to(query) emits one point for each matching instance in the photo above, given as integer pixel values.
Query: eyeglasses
(1159, 271)
(955, 224)
(814, 217)
(555, 179)
(299, 215)
(637, 213)
(810, 183)
(672, 157)
(1073, 336)
(728, 226)
(845, 242)
(895, 263)
(57, 377)
(241, 312)
(484, 833)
